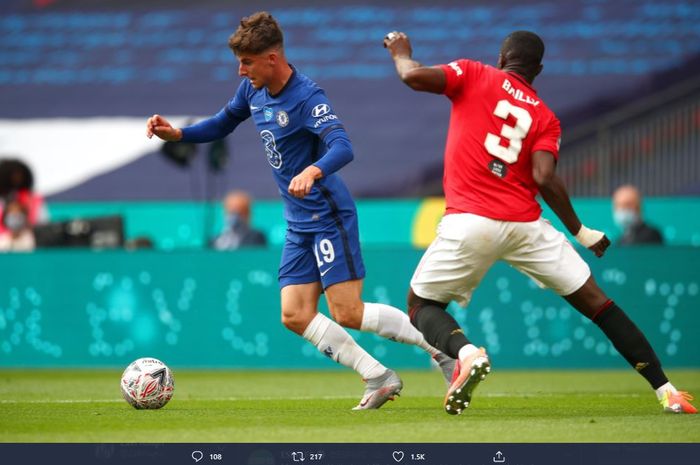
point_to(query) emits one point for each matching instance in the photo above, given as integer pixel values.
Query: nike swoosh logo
(323, 273)
(253, 108)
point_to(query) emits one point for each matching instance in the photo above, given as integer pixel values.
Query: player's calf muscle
(438, 327)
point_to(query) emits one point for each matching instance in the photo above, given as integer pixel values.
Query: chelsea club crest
(282, 118)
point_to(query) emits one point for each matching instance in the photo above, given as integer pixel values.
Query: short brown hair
(256, 33)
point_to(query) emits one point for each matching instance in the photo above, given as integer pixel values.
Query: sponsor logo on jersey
(456, 67)
(320, 110)
(325, 119)
(518, 94)
(282, 118)
(274, 158)
(498, 168)
(268, 113)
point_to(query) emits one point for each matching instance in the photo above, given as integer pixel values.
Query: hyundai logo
(320, 110)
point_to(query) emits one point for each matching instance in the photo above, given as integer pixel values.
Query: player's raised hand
(301, 184)
(398, 44)
(159, 126)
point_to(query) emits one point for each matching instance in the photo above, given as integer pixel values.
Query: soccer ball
(147, 383)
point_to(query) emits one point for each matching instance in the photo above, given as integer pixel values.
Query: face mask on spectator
(15, 221)
(233, 220)
(624, 218)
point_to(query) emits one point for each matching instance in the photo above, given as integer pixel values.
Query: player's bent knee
(296, 321)
(347, 315)
(348, 319)
(415, 303)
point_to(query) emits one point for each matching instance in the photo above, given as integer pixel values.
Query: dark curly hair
(15, 175)
(525, 48)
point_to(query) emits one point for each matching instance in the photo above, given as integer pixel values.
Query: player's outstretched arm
(217, 127)
(160, 127)
(412, 73)
(554, 192)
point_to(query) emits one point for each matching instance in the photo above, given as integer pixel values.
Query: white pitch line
(267, 398)
(57, 401)
(215, 399)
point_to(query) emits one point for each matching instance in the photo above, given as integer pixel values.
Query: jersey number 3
(515, 134)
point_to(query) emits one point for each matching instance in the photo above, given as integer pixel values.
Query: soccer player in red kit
(502, 149)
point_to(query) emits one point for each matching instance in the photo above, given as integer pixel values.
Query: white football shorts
(468, 245)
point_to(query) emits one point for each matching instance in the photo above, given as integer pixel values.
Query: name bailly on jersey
(518, 94)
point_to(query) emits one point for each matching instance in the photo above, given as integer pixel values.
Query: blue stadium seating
(113, 58)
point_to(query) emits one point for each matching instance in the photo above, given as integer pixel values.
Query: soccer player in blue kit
(306, 145)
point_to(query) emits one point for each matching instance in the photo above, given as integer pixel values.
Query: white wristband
(588, 237)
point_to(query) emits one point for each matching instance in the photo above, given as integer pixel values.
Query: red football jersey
(497, 123)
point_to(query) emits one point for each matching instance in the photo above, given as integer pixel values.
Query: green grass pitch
(297, 406)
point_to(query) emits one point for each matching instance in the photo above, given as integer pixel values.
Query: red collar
(522, 80)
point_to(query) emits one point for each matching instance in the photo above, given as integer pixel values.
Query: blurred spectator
(627, 213)
(17, 235)
(237, 231)
(17, 180)
(139, 242)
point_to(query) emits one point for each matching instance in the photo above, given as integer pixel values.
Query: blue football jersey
(292, 126)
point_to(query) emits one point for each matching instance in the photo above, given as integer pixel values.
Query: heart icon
(398, 455)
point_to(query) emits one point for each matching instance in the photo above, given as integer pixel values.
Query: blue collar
(286, 84)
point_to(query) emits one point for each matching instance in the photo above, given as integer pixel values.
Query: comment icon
(197, 455)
